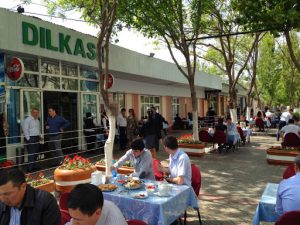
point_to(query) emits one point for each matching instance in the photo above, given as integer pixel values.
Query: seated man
(290, 128)
(231, 131)
(140, 158)
(87, 207)
(180, 166)
(288, 195)
(23, 205)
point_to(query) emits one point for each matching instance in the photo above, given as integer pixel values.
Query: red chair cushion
(196, 179)
(241, 133)
(159, 176)
(136, 222)
(259, 122)
(289, 218)
(204, 136)
(289, 172)
(63, 201)
(219, 137)
(291, 140)
(65, 217)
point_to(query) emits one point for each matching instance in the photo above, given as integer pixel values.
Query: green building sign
(40, 36)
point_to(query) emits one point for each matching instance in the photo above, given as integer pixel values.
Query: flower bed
(191, 147)
(277, 155)
(72, 172)
(40, 182)
(126, 169)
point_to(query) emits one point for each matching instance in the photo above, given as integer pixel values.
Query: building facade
(60, 69)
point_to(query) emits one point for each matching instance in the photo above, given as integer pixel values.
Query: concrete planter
(122, 170)
(278, 156)
(65, 180)
(193, 149)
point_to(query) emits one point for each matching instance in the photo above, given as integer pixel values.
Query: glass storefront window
(175, 106)
(28, 80)
(88, 73)
(69, 84)
(49, 82)
(147, 102)
(50, 67)
(13, 116)
(69, 70)
(89, 86)
(89, 104)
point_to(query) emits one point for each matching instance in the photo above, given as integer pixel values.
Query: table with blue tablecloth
(154, 210)
(265, 210)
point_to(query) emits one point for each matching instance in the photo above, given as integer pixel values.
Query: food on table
(141, 195)
(121, 181)
(107, 187)
(132, 184)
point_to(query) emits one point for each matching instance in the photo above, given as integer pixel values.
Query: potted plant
(40, 182)
(190, 146)
(73, 171)
(278, 155)
(126, 169)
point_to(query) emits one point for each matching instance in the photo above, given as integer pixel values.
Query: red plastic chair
(289, 218)
(204, 136)
(65, 217)
(241, 133)
(196, 184)
(220, 139)
(291, 140)
(289, 172)
(159, 176)
(136, 222)
(260, 124)
(63, 201)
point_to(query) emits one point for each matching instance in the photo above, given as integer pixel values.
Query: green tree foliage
(274, 15)
(177, 24)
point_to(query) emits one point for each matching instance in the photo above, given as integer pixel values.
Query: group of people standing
(54, 126)
(149, 129)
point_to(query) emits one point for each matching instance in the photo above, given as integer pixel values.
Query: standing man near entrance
(32, 133)
(55, 125)
(122, 125)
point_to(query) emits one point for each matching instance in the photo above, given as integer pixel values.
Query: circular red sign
(15, 69)
(109, 81)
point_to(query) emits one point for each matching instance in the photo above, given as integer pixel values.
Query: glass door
(89, 103)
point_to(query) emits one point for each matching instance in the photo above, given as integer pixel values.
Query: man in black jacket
(24, 205)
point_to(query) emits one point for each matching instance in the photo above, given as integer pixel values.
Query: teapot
(163, 189)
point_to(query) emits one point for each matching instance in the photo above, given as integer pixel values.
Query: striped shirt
(15, 216)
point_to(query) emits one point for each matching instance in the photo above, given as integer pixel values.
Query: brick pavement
(232, 183)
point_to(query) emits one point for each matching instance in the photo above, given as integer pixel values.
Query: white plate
(140, 195)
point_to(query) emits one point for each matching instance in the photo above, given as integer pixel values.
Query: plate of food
(133, 184)
(107, 187)
(140, 195)
(121, 181)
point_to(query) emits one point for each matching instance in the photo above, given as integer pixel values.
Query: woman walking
(132, 126)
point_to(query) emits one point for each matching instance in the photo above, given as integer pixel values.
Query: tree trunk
(248, 113)
(195, 110)
(109, 144)
(232, 104)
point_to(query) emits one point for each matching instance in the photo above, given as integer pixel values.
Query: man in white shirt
(87, 207)
(122, 126)
(290, 128)
(32, 132)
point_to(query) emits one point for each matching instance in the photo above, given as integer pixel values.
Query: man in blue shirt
(288, 195)
(55, 125)
(180, 166)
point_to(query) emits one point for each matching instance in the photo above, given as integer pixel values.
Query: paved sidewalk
(232, 183)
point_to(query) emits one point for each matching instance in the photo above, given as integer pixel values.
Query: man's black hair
(137, 144)
(87, 198)
(171, 142)
(123, 110)
(15, 175)
(291, 121)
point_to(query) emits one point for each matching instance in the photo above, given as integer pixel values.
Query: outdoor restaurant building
(60, 70)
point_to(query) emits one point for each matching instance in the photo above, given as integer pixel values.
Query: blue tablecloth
(265, 210)
(154, 210)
